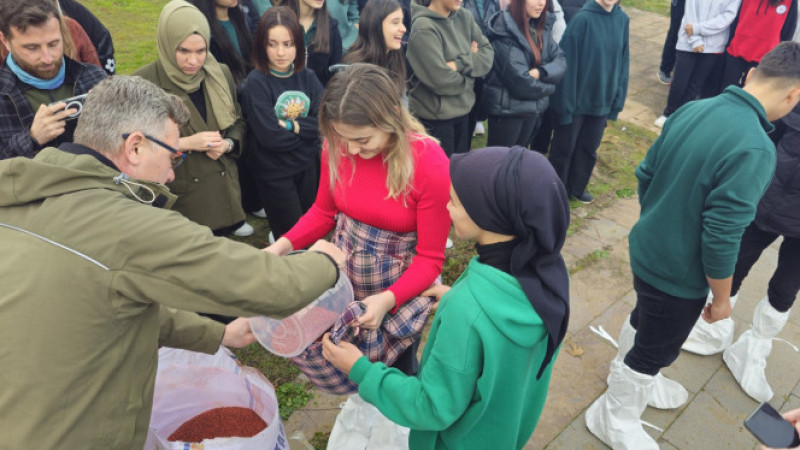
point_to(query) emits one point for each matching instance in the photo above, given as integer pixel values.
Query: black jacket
(490, 7)
(97, 32)
(779, 208)
(320, 63)
(510, 90)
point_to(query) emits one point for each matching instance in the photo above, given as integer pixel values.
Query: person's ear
(132, 149)
(749, 74)
(794, 95)
(5, 42)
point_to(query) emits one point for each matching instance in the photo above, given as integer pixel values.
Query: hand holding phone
(75, 103)
(771, 429)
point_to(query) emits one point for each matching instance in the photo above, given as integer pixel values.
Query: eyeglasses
(175, 160)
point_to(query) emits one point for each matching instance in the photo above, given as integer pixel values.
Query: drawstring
(124, 180)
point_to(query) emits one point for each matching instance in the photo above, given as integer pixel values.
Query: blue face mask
(31, 80)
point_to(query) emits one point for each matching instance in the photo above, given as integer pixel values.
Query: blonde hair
(66, 36)
(364, 95)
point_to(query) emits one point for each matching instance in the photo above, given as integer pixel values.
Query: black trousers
(286, 199)
(691, 71)
(785, 282)
(453, 134)
(668, 52)
(573, 151)
(507, 131)
(540, 141)
(662, 323)
(735, 71)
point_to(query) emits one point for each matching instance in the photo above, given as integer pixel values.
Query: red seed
(220, 422)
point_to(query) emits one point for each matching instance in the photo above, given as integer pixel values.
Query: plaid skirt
(375, 260)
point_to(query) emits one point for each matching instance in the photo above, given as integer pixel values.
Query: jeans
(785, 282)
(662, 323)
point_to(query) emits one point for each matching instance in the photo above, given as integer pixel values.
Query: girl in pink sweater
(384, 184)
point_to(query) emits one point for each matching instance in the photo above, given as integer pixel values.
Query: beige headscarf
(178, 21)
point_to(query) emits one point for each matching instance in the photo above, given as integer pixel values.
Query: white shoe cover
(710, 338)
(665, 393)
(615, 417)
(747, 358)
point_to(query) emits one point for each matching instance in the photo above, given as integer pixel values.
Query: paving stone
(708, 424)
(605, 230)
(593, 291)
(580, 244)
(575, 436)
(624, 212)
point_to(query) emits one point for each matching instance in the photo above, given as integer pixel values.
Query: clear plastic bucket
(290, 336)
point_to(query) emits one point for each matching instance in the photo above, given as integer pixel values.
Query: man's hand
(689, 29)
(342, 356)
(329, 249)
(238, 334)
(377, 307)
(717, 310)
(50, 122)
(452, 65)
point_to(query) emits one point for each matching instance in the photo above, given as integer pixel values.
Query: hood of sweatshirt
(505, 304)
(55, 172)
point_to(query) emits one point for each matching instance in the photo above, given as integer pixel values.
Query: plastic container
(290, 336)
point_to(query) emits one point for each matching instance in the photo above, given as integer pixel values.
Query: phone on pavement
(769, 427)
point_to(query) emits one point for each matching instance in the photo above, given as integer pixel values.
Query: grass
(133, 25)
(656, 6)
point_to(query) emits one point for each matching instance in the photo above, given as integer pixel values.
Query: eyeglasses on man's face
(178, 157)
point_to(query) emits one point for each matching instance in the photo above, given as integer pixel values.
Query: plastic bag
(190, 383)
(360, 426)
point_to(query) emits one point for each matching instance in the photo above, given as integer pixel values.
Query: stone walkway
(602, 295)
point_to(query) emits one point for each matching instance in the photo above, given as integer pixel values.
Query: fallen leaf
(574, 349)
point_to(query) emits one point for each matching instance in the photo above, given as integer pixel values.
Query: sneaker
(245, 230)
(479, 130)
(260, 213)
(660, 121)
(664, 78)
(449, 243)
(584, 198)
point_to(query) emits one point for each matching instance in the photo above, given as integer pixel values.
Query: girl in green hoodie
(487, 363)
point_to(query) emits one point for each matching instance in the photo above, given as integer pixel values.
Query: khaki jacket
(86, 273)
(208, 190)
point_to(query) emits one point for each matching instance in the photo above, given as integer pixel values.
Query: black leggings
(662, 323)
(785, 282)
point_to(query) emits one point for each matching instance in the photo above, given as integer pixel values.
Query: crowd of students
(357, 117)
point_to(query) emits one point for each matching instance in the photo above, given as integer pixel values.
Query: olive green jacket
(208, 190)
(87, 270)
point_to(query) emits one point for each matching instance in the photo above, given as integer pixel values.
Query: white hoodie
(711, 21)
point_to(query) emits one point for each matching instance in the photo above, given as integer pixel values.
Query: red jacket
(760, 26)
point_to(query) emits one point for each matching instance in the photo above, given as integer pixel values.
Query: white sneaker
(660, 121)
(260, 213)
(271, 238)
(245, 230)
(479, 130)
(449, 243)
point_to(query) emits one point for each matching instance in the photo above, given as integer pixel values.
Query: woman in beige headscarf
(207, 182)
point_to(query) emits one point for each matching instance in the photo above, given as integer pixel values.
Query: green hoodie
(86, 272)
(698, 188)
(477, 385)
(438, 92)
(596, 82)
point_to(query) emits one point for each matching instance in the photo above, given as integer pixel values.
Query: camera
(72, 103)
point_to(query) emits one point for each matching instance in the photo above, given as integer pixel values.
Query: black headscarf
(516, 192)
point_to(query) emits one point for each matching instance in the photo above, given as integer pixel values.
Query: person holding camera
(36, 78)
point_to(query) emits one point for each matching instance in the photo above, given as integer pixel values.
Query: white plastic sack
(360, 426)
(710, 338)
(190, 383)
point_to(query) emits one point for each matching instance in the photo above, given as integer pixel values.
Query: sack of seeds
(212, 402)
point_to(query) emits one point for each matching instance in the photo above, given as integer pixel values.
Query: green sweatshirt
(698, 188)
(436, 91)
(477, 385)
(596, 82)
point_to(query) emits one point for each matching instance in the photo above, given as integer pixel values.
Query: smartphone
(72, 103)
(769, 427)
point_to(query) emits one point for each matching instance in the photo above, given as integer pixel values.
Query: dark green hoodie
(596, 82)
(438, 92)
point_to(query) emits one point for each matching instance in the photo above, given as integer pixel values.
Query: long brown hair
(517, 10)
(322, 37)
(278, 15)
(370, 47)
(364, 95)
